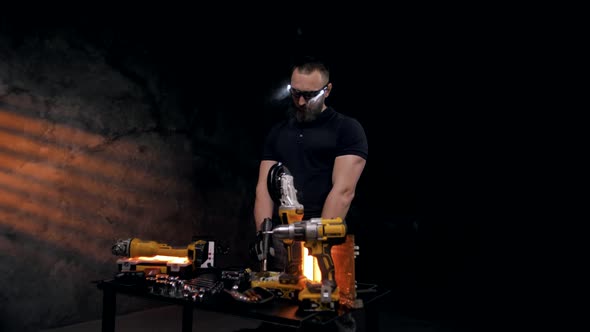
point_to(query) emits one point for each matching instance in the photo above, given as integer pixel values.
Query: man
(325, 152)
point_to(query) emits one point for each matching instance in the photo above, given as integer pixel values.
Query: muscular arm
(263, 203)
(347, 172)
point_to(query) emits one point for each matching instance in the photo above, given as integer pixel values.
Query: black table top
(278, 311)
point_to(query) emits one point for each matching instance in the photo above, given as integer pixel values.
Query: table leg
(109, 308)
(187, 318)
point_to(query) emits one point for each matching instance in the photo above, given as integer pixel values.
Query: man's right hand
(263, 245)
(259, 247)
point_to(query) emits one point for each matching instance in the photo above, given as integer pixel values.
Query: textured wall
(93, 149)
(149, 125)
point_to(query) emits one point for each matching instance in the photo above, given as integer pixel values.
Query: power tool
(287, 283)
(283, 193)
(318, 236)
(200, 253)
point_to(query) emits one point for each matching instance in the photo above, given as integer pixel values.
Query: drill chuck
(296, 232)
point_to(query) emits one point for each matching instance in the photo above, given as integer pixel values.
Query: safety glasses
(307, 95)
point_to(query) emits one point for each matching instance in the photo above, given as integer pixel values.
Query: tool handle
(266, 227)
(322, 251)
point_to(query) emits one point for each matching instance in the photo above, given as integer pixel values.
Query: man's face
(308, 92)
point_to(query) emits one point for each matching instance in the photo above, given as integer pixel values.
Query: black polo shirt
(309, 149)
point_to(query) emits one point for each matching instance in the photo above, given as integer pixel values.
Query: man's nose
(301, 101)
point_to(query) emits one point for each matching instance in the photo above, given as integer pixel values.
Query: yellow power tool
(282, 190)
(287, 283)
(200, 252)
(318, 236)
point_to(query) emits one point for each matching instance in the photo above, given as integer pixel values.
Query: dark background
(426, 84)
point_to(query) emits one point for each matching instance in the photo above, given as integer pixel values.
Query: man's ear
(328, 89)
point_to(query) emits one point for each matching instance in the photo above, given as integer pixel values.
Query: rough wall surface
(93, 150)
(127, 131)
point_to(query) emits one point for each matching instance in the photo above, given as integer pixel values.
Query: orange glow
(41, 212)
(77, 191)
(70, 240)
(22, 150)
(162, 258)
(311, 269)
(20, 191)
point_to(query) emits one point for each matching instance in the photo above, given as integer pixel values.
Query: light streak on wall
(69, 189)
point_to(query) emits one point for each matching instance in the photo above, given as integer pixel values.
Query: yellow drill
(318, 236)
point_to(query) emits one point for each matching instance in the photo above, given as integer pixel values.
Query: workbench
(278, 311)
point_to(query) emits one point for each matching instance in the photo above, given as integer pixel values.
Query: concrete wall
(93, 150)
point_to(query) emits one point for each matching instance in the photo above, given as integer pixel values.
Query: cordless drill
(318, 236)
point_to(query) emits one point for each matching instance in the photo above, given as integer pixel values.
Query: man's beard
(308, 113)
